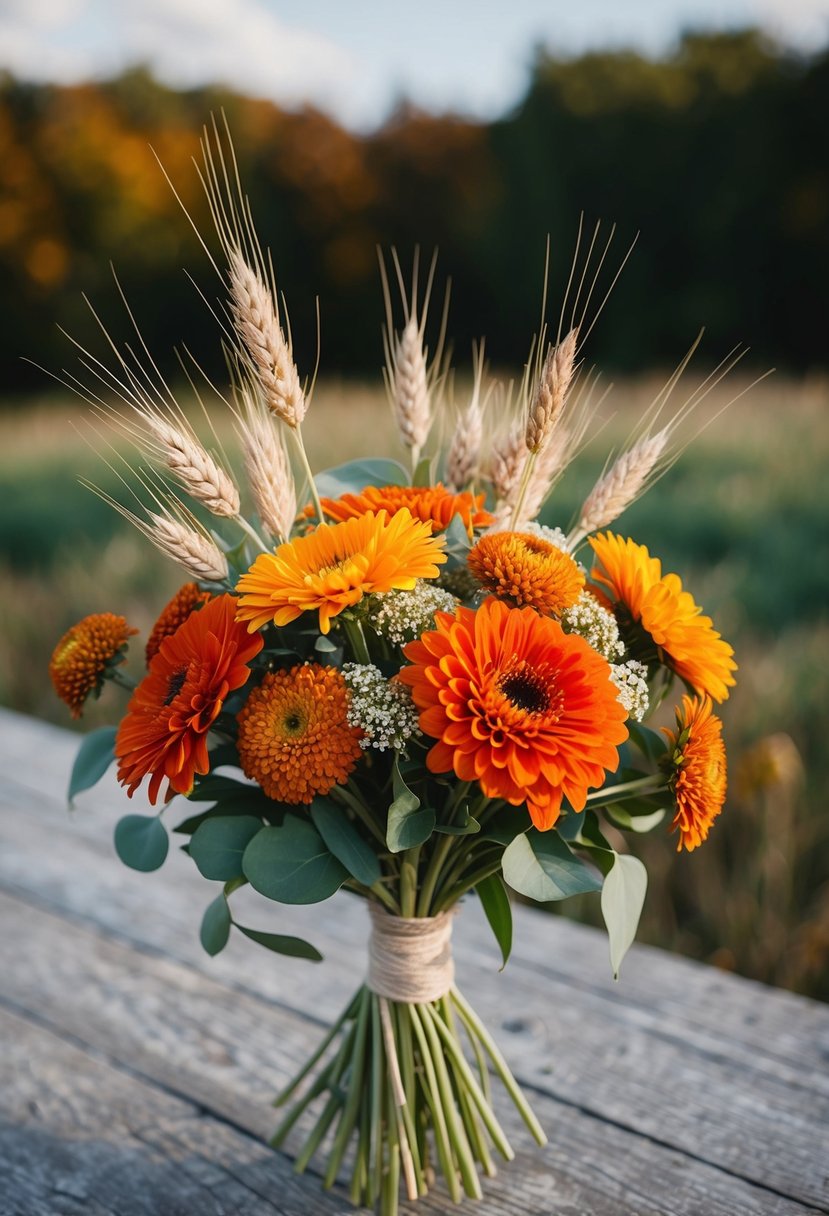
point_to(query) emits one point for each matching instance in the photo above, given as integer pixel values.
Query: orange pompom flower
(527, 569)
(164, 732)
(432, 504)
(336, 565)
(517, 705)
(186, 600)
(685, 641)
(85, 654)
(294, 735)
(698, 770)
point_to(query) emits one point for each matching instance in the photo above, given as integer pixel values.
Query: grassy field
(743, 518)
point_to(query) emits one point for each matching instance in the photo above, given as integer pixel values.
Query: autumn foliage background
(717, 154)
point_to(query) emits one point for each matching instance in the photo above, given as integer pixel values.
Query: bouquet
(394, 680)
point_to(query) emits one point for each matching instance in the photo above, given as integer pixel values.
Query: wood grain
(678, 1090)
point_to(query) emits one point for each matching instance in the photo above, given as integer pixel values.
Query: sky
(357, 58)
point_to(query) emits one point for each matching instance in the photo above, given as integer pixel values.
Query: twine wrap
(410, 958)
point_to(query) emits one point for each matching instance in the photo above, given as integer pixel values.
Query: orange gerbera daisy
(698, 770)
(684, 640)
(527, 569)
(336, 565)
(433, 504)
(85, 655)
(164, 732)
(294, 735)
(186, 600)
(516, 704)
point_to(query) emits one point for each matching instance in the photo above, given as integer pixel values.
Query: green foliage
(292, 864)
(623, 896)
(215, 926)
(96, 753)
(141, 841)
(495, 902)
(540, 866)
(218, 844)
(409, 824)
(355, 475)
(345, 842)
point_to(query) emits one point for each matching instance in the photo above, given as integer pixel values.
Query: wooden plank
(82, 1127)
(654, 988)
(716, 1067)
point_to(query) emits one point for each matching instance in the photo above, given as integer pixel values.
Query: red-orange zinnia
(517, 705)
(685, 641)
(698, 770)
(433, 504)
(164, 732)
(186, 600)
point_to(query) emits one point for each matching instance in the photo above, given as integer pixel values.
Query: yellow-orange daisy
(186, 600)
(164, 732)
(684, 639)
(294, 735)
(433, 504)
(336, 565)
(85, 654)
(527, 711)
(527, 569)
(698, 770)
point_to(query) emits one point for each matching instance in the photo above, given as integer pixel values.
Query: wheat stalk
(256, 320)
(194, 468)
(551, 392)
(268, 468)
(193, 550)
(410, 388)
(620, 486)
(465, 447)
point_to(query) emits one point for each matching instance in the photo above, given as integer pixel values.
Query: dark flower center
(175, 685)
(526, 689)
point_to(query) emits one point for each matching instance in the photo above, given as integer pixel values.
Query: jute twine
(410, 959)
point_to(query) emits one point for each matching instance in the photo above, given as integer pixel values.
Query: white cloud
(240, 43)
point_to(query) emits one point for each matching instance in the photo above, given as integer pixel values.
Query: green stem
(355, 1087)
(408, 881)
(430, 1086)
(453, 894)
(377, 1087)
(121, 679)
(454, 1125)
(294, 1084)
(653, 783)
(442, 850)
(476, 1026)
(312, 485)
(529, 463)
(356, 639)
(343, 794)
(254, 535)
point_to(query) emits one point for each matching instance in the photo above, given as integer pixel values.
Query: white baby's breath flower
(631, 678)
(596, 625)
(402, 616)
(553, 536)
(383, 709)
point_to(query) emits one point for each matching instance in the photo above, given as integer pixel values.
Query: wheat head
(551, 392)
(193, 467)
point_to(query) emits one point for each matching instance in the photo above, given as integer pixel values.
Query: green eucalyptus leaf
(495, 902)
(141, 841)
(96, 753)
(215, 926)
(468, 828)
(623, 896)
(218, 844)
(345, 842)
(292, 863)
(540, 866)
(424, 474)
(408, 825)
(355, 475)
(651, 743)
(294, 947)
(634, 820)
(505, 825)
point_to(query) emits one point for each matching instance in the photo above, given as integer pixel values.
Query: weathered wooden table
(136, 1073)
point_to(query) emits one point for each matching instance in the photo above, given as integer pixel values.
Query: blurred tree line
(717, 154)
